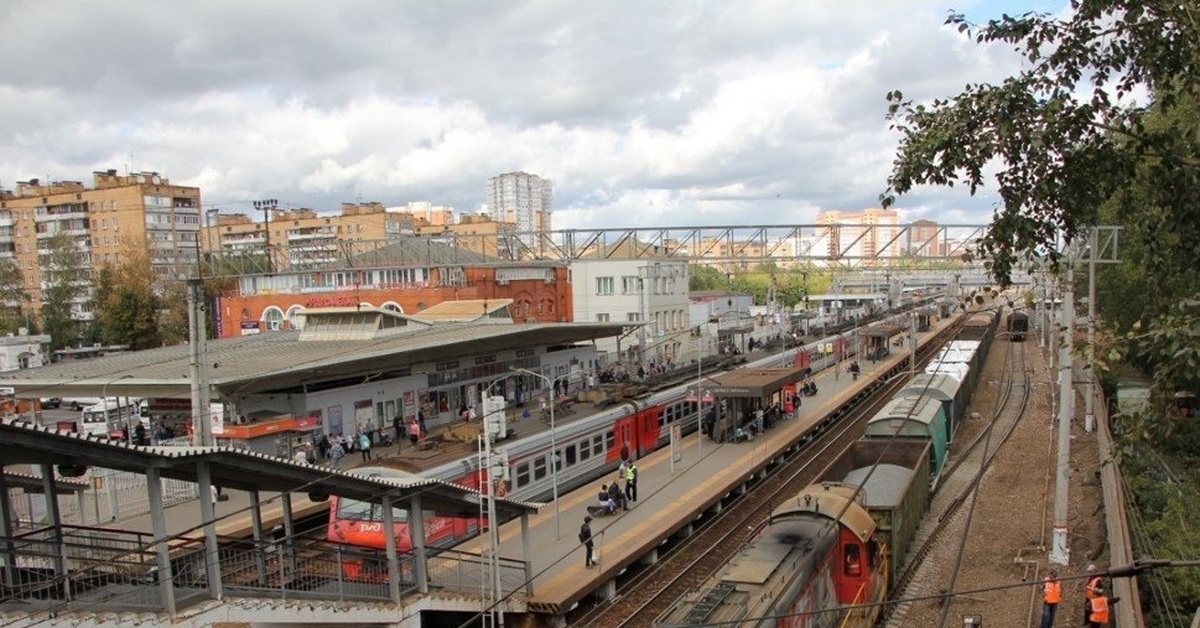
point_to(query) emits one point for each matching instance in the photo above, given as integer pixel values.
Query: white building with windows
(635, 290)
(523, 199)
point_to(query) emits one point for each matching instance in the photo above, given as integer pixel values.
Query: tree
(1067, 132)
(12, 296)
(65, 275)
(126, 305)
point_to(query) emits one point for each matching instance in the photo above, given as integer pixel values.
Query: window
(522, 476)
(633, 317)
(630, 285)
(569, 453)
(604, 285)
(602, 317)
(539, 469)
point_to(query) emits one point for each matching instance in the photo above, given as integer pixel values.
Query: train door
(802, 360)
(625, 439)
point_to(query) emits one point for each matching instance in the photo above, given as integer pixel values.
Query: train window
(522, 475)
(610, 442)
(569, 453)
(585, 449)
(853, 560)
(539, 469)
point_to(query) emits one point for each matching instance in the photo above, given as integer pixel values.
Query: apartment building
(860, 237)
(302, 237)
(141, 209)
(523, 199)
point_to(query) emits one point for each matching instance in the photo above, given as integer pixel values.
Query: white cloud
(641, 114)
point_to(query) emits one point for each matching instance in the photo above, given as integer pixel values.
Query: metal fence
(94, 569)
(113, 495)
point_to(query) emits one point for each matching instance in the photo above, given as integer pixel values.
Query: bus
(119, 413)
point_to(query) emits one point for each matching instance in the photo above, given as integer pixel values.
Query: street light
(553, 442)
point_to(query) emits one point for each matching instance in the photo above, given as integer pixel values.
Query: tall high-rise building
(522, 199)
(863, 236)
(141, 209)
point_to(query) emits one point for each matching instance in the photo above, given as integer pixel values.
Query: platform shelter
(750, 400)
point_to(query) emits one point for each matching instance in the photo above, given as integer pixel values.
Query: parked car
(52, 402)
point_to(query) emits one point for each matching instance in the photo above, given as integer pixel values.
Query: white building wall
(654, 291)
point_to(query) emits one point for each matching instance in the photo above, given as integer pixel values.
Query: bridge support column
(649, 558)
(717, 508)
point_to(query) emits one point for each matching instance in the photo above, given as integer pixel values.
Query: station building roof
(282, 362)
(238, 469)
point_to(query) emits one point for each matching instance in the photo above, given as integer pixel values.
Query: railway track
(956, 488)
(643, 596)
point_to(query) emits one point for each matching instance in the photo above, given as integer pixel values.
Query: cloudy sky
(689, 112)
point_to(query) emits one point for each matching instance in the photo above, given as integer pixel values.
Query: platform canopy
(881, 331)
(753, 383)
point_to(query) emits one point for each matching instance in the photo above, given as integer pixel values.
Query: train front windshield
(354, 510)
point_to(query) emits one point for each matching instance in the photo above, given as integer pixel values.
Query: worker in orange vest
(1051, 596)
(1098, 608)
(1091, 589)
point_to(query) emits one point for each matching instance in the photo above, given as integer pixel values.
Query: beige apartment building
(304, 237)
(863, 236)
(119, 211)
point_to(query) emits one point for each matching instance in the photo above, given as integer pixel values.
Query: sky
(642, 114)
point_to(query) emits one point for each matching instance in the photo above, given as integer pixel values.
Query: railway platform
(676, 487)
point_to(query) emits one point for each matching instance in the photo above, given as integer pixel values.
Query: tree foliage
(1068, 133)
(65, 277)
(12, 297)
(126, 305)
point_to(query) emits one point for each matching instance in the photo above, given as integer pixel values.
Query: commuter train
(588, 448)
(827, 556)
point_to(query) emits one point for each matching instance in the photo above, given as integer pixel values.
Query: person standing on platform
(625, 452)
(1098, 606)
(414, 433)
(585, 537)
(424, 429)
(631, 474)
(398, 425)
(364, 445)
(1051, 596)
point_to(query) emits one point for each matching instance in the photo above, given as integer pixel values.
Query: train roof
(830, 501)
(957, 370)
(920, 409)
(940, 386)
(883, 485)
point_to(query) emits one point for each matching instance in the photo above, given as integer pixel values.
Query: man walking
(631, 474)
(1051, 596)
(585, 537)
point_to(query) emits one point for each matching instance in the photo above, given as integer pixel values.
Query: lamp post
(553, 442)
